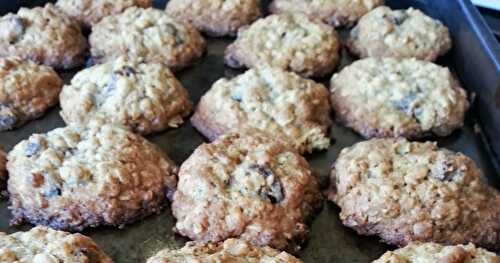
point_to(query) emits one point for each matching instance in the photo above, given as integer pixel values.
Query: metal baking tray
(475, 59)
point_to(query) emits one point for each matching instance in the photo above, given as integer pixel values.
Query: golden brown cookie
(43, 34)
(215, 17)
(246, 185)
(76, 177)
(149, 34)
(414, 191)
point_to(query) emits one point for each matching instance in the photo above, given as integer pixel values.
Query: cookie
(3, 170)
(399, 33)
(230, 251)
(27, 90)
(414, 191)
(149, 34)
(76, 177)
(246, 185)
(432, 252)
(143, 96)
(291, 107)
(388, 97)
(44, 35)
(45, 245)
(215, 17)
(90, 12)
(289, 41)
(334, 12)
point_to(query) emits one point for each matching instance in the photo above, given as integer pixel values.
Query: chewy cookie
(293, 108)
(246, 185)
(230, 251)
(399, 33)
(90, 12)
(413, 191)
(215, 17)
(77, 177)
(149, 34)
(143, 96)
(388, 97)
(333, 12)
(27, 90)
(290, 41)
(432, 252)
(45, 245)
(44, 35)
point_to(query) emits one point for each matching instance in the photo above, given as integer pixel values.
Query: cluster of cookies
(249, 194)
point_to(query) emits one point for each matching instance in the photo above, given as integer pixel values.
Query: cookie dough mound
(388, 97)
(77, 177)
(432, 252)
(246, 185)
(231, 251)
(27, 90)
(413, 191)
(333, 12)
(44, 35)
(143, 96)
(42, 244)
(215, 17)
(90, 12)
(399, 33)
(149, 34)
(291, 107)
(289, 41)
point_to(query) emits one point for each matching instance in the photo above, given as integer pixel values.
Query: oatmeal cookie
(27, 90)
(290, 41)
(414, 191)
(388, 97)
(215, 17)
(246, 185)
(149, 34)
(291, 107)
(143, 96)
(90, 12)
(334, 12)
(230, 251)
(399, 33)
(432, 252)
(45, 245)
(44, 35)
(77, 177)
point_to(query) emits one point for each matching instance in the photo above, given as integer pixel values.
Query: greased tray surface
(329, 241)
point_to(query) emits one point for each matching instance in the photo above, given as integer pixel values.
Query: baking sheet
(329, 240)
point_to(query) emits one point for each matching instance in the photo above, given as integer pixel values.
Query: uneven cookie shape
(77, 177)
(149, 34)
(27, 90)
(399, 33)
(42, 244)
(230, 251)
(44, 35)
(289, 41)
(291, 107)
(412, 191)
(215, 17)
(90, 12)
(334, 12)
(3, 170)
(143, 96)
(432, 252)
(249, 186)
(388, 97)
